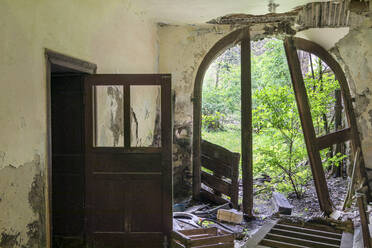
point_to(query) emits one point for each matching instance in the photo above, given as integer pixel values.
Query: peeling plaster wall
(115, 35)
(354, 52)
(181, 49)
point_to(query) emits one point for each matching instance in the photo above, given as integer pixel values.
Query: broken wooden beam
(291, 45)
(246, 123)
(281, 204)
(361, 200)
(230, 215)
(336, 137)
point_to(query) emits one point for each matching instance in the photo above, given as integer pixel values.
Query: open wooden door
(315, 144)
(128, 160)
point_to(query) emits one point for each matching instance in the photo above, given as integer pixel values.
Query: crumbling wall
(354, 52)
(116, 35)
(181, 50)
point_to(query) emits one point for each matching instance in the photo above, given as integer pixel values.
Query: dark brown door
(128, 160)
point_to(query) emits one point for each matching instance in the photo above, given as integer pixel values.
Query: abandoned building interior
(160, 123)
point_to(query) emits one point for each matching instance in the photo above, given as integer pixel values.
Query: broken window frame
(314, 144)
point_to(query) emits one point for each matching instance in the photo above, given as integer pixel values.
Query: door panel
(128, 160)
(144, 191)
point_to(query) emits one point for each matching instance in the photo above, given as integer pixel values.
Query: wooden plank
(336, 137)
(279, 244)
(312, 237)
(298, 241)
(210, 230)
(235, 181)
(308, 231)
(260, 234)
(181, 238)
(216, 166)
(213, 240)
(217, 152)
(211, 197)
(314, 226)
(347, 240)
(364, 220)
(307, 126)
(246, 124)
(176, 244)
(227, 245)
(281, 203)
(216, 183)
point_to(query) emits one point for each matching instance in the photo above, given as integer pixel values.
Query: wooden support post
(246, 125)
(307, 126)
(361, 199)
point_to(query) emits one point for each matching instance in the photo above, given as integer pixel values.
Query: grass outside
(230, 139)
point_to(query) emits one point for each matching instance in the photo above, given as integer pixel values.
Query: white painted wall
(116, 35)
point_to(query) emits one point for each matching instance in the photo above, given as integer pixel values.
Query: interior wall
(181, 50)
(354, 52)
(115, 35)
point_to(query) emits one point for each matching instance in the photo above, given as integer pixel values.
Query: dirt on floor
(306, 207)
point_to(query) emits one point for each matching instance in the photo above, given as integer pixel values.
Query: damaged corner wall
(116, 35)
(182, 49)
(354, 52)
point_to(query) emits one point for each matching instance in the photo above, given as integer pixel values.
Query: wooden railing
(223, 176)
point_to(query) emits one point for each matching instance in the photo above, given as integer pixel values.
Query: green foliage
(335, 160)
(213, 122)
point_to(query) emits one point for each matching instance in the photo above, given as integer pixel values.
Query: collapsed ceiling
(202, 11)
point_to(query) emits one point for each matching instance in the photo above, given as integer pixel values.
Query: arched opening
(329, 73)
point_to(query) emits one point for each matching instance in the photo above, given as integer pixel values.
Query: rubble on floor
(191, 214)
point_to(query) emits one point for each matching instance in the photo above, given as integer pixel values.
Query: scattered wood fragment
(230, 215)
(212, 211)
(336, 215)
(281, 204)
(350, 191)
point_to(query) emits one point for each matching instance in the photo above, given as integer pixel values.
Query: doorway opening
(66, 149)
(279, 152)
(296, 105)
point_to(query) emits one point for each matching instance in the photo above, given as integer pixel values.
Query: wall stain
(116, 125)
(9, 240)
(2, 158)
(36, 229)
(362, 101)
